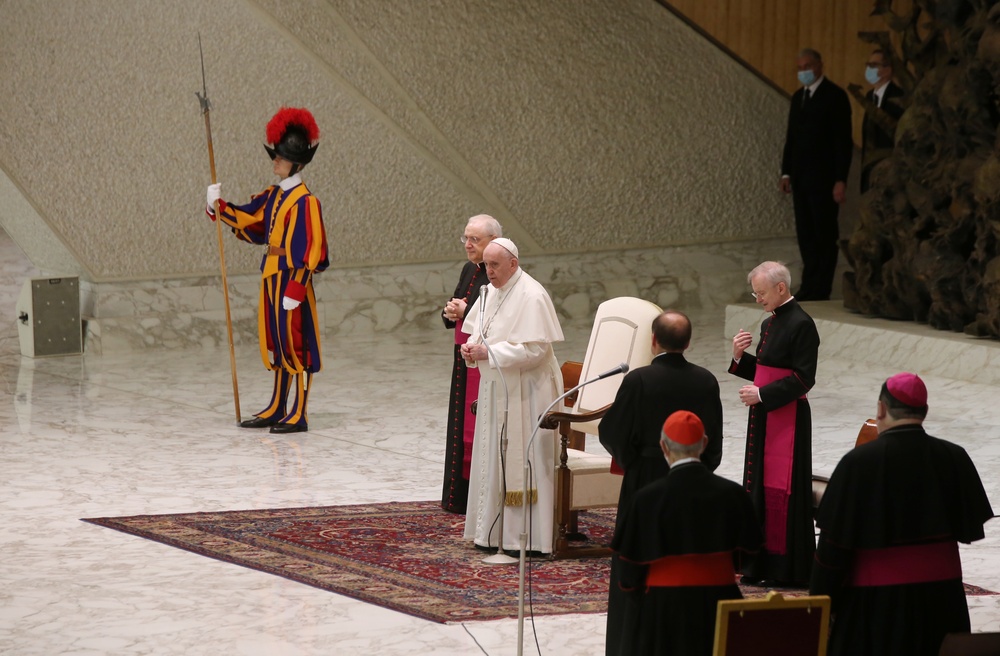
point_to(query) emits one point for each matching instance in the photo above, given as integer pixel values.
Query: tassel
(516, 499)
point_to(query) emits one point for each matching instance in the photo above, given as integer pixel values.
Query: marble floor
(87, 436)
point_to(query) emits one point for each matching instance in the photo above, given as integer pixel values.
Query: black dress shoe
(289, 428)
(259, 422)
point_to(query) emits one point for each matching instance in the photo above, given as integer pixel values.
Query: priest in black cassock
(890, 522)
(479, 231)
(777, 470)
(630, 431)
(679, 545)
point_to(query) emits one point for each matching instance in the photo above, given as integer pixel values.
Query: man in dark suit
(814, 167)
(630, 431)
(883, 106)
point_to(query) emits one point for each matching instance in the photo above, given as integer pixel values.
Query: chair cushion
(592, 485)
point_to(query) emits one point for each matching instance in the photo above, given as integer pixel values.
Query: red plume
(297, 116)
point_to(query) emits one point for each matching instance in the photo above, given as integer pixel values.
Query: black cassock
(688, 511)
(788, 341)
(455, 493)
(630, 431)
(902, 490)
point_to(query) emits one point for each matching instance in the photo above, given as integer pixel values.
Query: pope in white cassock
(520, 325)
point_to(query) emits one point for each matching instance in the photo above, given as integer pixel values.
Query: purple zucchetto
(908, 388)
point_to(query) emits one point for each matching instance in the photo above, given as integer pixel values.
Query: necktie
(805, 96)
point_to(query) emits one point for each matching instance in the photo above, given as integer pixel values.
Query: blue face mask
(807, 77)
(871, 74)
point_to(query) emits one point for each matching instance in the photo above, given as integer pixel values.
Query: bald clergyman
(520, 325)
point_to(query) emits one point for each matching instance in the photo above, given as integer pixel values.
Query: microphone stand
(620, 369)
(500, 557)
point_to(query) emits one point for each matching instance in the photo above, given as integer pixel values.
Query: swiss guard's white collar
(291, 182)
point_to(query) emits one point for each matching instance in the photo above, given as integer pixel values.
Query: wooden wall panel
(767, 34)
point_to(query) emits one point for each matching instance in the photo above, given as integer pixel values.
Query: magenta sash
(916, 563)
(779, 445)
(460, 337)
(471, 394)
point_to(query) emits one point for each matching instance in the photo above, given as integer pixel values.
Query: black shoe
(259, 422)
(289, 428)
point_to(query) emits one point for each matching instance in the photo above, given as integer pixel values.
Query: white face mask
(871, 75)
(807, 77)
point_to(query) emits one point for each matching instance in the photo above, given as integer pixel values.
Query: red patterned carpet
(409, 557)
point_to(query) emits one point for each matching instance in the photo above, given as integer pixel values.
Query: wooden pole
(206, 110)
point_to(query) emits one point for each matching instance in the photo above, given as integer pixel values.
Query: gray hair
(492, 226)
(773, 272)
(682, 450)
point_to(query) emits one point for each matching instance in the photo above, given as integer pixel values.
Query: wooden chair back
(795, 626)
(867, 433)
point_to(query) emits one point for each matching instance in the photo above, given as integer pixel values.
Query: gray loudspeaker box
(48, 317)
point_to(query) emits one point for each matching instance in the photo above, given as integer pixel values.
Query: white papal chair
(622, 332)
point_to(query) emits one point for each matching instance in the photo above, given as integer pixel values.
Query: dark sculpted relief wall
(927, 243)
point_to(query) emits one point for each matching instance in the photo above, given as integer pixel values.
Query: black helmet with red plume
(293, 135)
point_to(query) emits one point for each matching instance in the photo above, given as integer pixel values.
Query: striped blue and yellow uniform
(290, 225)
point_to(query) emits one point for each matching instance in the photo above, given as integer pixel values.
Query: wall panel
(766, 34)
(571, 122)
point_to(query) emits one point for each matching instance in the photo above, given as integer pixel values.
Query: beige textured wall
(581, 125)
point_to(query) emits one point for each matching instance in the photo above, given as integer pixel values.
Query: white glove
(214, 193)
(290, 303)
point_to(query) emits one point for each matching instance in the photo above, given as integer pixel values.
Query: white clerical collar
(815, 85)
(684, 461)
(291, 182)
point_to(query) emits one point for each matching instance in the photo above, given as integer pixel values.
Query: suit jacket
(818, 142)
(878, 129)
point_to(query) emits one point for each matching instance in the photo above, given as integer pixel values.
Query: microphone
(482, 297)
(620, 369)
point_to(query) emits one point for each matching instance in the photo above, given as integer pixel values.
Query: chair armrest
(553, 419)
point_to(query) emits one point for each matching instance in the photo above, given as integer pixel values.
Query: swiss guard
(287, 221)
